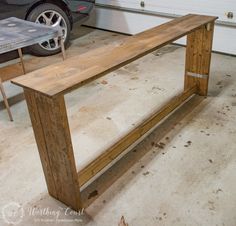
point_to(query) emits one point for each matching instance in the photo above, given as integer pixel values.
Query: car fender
(35, 3)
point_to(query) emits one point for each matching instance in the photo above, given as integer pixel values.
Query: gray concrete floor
(183, 173)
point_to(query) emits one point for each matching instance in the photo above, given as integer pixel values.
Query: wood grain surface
(74, 72)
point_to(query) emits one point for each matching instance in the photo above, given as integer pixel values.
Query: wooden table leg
(51, 129)
(21, 60)
(62, 48)
(198, 58)
(5, 100)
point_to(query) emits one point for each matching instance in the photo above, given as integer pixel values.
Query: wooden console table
(16, 34)
(45, 89)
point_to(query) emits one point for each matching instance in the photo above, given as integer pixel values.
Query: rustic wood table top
(61, 78)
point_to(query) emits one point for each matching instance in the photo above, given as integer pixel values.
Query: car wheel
(51, 15)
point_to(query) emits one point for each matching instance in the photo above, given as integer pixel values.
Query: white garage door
(134, 16)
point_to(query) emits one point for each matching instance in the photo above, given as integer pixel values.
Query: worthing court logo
(13, 213)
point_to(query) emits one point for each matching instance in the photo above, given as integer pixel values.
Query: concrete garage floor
(181, 174)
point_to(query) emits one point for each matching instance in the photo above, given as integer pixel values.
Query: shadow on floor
(167, 130)
(103, 182)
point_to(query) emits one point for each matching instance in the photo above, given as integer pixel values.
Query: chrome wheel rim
(54, 19)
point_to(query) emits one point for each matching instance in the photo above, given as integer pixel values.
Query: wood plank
(74, 72)
(198, 58)
(51, 129)
(22, 61)
(9, 72)
(2, 91)
(35, 63)
(107, 157)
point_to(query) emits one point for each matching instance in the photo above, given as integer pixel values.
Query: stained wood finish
(5, 100)
(198, 58)
(45, 89)
(22, 60)
(62, 78)
(52, 134)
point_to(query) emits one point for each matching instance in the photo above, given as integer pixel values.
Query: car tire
(53, 14)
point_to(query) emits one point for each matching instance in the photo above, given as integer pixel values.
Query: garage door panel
(129, 17)
(180, 7)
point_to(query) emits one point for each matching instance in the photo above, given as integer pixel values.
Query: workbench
(16, 34)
